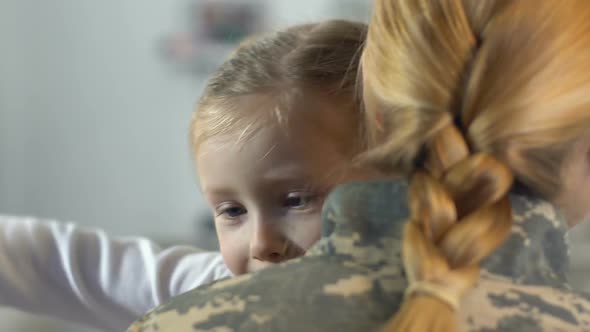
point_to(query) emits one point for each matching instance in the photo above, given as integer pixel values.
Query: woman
(484, 107)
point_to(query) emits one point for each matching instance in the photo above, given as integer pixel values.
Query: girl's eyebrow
(302, 182)
(213, 192)
(289, 170)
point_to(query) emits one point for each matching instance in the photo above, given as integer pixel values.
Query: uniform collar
(365, 220)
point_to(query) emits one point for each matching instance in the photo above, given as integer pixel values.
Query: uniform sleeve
(84, 276)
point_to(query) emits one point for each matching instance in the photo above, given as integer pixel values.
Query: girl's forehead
(267, 157)
(259, 142)
(310, 127)
(297, 110)
(310, 141)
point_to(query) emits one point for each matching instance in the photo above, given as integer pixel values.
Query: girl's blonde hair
(471, 94)
(322, 57)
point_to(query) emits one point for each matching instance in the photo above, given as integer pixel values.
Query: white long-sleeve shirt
(84, 276)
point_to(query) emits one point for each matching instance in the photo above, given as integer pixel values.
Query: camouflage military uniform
(353, 279)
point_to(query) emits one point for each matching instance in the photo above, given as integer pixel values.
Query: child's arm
(82, 275)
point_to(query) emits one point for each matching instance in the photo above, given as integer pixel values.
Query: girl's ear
(574, 198)
(372, 107)
(378, 115)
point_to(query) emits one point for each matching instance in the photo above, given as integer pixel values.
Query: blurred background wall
(95, 101)
(94, 112)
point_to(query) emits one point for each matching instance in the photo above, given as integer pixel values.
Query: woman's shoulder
(309, 296)
(499, 304)
(303, 295)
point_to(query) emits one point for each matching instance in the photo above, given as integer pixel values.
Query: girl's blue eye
(299, 200)
(232, 212)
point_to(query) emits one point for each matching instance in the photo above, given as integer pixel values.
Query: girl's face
(267, 192)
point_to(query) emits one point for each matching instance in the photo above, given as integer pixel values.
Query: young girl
(275, 131)
(263, 169)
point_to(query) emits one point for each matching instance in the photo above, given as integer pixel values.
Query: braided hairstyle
(465, 97)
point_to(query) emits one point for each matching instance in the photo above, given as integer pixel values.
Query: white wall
(93, 124)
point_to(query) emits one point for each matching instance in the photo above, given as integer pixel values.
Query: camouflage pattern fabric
(353, 280)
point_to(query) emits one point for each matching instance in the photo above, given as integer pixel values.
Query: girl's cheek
(234, 253)
(306, 231)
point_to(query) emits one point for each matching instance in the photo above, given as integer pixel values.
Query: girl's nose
(268, 244)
